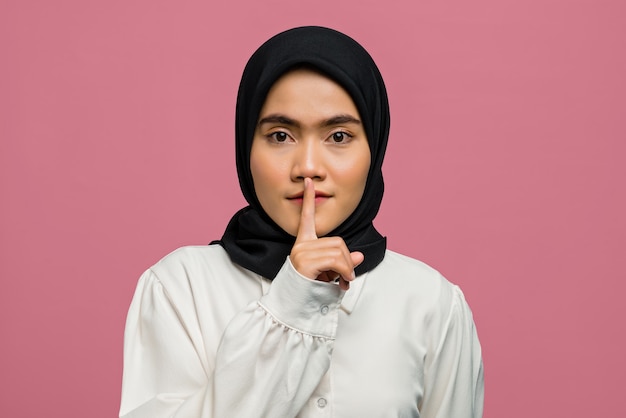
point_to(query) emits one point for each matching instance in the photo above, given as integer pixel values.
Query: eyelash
(273, 137)
(346, 137)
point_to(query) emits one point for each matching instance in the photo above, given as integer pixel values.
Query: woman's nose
(308, 161)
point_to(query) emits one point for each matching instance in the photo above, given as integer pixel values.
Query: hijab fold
(252, 239)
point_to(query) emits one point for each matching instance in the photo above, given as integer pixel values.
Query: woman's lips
(319, 198)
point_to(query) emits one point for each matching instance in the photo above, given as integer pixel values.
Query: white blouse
(207, 338)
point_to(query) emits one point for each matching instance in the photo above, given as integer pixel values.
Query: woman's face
(309, 127)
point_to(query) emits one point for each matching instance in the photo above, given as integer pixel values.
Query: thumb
(357, 257)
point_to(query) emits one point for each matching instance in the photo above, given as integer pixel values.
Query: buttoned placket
(321, 402)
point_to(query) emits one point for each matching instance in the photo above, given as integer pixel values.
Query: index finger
(306, 228)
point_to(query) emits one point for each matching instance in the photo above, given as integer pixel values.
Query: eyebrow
(340, 120)
(284, 120)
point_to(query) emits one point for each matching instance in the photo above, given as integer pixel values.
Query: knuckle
(337, 241)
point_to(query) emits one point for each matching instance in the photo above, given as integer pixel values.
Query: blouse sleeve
(271, 357)
(454, 383)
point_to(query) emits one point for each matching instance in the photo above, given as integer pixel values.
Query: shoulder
(406, 271)
(417, 295)
(191, 258)
(196, 268)
(414, 282)
(402, 263)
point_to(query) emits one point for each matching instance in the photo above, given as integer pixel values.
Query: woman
(300, 310)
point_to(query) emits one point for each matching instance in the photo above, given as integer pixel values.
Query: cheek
(256, 168)
(358, 182)
(259, 169)
(353, 173)
(267, 171)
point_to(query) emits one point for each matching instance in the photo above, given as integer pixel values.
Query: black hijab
(252, 239)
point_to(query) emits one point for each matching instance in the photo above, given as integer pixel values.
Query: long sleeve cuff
(306, 305)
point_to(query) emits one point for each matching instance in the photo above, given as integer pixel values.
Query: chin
(322, 232)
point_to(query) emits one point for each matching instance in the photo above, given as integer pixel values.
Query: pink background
(505, 171)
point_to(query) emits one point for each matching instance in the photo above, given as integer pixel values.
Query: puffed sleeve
(270, 359)
(454, 383)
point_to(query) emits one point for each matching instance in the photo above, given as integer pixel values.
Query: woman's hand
(324, 259)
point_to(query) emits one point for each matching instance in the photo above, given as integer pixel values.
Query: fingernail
(353, 275)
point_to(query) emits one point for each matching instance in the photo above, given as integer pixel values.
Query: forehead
(305, 90)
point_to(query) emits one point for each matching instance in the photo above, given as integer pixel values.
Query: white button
(321, 402)
(324, 310)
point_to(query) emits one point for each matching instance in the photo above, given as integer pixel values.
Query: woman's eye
(279, 136)
(340, 137)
